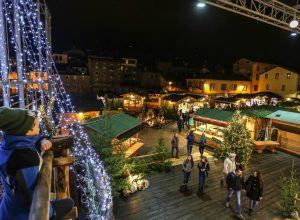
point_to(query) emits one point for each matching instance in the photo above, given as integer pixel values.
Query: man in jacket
(190, 142)
(235, 183)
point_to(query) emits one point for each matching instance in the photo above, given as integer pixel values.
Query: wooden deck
(163, 199)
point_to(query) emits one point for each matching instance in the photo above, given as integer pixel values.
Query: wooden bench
(269, 145)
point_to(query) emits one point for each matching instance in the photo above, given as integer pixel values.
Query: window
(276, 75)
(255, 87)
(74, 77)
(211, 86)
(234, 87)
(266, 76)
(283, 87)
(268, 87)
(223, 86)
(289, 75)
(245, 88)
(257, 76)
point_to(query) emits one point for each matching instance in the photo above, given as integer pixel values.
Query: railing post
(41, 197)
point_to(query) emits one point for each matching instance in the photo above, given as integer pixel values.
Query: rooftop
(291, 117)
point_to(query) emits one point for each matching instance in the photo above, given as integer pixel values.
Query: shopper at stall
(180, 123)
(254, 187)
(190, 142)
(204, 168)
(187, 167)
(202, 143)
(191, 123)
(174, 144)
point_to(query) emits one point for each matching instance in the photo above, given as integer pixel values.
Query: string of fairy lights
(26, 40)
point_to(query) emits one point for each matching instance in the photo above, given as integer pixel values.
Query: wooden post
(41, 197)
(63, 185)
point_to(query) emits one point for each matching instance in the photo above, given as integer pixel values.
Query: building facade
(278, 80)
(218, 87)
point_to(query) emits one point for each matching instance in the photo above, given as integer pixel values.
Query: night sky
(164, 29)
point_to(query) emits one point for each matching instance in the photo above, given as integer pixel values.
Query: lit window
(234, 87)
(245, 88)
(289, 75)
(283, 87)
(268, 87)
(276, 75)
(223, 86)
(255, 87)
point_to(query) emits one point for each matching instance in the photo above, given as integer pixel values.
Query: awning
(131, 132)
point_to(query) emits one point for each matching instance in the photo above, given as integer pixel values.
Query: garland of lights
(35, 53)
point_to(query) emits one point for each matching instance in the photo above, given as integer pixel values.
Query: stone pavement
(150, 137)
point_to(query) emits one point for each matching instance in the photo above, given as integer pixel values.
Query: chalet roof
(118, 124)
(178, 97)
(226, 115)
(291, 117)
(261, 94)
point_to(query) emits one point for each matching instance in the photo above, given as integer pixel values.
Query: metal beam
(3, 58)
(271, 12)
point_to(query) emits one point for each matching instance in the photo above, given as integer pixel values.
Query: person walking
(229, 166)
(175, 143)
(204, 168)
(235, 183)
(254, 187)
(190, 142)
(188, 165)
(202, 143)
(180, 123)
(191, 123)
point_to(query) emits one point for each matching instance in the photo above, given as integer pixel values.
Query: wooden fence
(54, 174)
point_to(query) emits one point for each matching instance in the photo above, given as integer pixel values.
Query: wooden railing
(59, 160)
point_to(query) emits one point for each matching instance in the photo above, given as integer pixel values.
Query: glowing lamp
(294, 23)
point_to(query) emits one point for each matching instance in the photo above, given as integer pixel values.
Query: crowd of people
(232, 174)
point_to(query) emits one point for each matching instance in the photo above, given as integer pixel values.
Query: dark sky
(160, 29)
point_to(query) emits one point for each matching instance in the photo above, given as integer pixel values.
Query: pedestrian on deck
(190, 142)
(187, 118)
(204, 168)
(183, 118)
(235, 183)
(180, 124)
(175, 143)
(229, 166)
(254, 187)
(202, 143)
(188, 165)
(191, 123)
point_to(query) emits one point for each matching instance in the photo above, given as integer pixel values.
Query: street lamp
(294, 23)
(293, 34)
(201, 4)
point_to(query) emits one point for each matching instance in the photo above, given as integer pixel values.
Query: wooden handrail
(60, 159)
(41, 196)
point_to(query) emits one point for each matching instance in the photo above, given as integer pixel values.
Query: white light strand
(93, 179)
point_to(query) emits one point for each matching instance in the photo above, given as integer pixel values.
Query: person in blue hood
(20, 163)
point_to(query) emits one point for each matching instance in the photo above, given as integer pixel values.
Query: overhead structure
(272, 12)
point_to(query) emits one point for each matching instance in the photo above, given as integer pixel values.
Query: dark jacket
(235, 182)
(203, 168)
(19, 168)
(175, 142)
(180, 122)
(254, 189)
(190, 138)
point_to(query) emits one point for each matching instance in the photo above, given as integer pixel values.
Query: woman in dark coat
(204, 168)
(254, 187)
